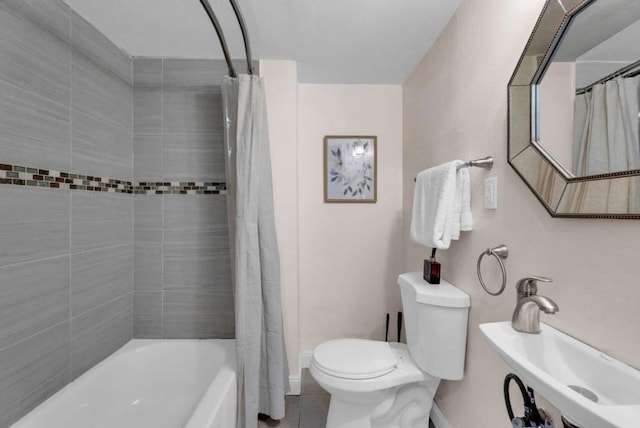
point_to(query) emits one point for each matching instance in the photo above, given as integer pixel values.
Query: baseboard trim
(437, 417)
(305, 359)
(295, 382)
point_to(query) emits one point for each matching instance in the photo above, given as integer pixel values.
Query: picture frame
(350, 169)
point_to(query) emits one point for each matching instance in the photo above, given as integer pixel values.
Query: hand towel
(466, 219)
(457, 205)
(433, 204)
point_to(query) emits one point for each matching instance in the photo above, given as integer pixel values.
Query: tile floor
(309, 409)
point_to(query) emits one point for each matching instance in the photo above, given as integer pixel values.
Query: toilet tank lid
(444, 294)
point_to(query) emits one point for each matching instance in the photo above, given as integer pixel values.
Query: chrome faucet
(526, 317)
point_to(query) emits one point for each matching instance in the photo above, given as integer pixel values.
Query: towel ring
(500, 252)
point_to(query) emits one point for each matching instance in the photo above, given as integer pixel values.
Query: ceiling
(333, 41)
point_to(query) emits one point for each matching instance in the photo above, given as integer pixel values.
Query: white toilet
(377, 384)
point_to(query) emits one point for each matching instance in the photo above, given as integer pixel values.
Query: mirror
(574, 109)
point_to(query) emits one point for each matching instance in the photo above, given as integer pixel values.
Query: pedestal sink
(589, 387)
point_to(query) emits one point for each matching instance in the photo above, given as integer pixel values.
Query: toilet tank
(436, 323)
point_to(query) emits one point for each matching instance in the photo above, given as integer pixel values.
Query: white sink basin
(552, 363)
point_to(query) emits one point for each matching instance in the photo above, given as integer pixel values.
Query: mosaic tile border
(18, 175)
(180, 188)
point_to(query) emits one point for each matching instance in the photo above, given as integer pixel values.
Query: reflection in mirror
(588, 109)
(602, 196)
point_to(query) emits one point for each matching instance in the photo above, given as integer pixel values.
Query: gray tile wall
(66, 257)
(69, 259)
(181, 253)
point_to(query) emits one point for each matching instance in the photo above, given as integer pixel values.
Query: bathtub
(149, 383)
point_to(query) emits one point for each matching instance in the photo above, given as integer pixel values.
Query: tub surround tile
(103, 149)
(147, 71)
(70, 111)
(199, 157)
(70, 115)
(98, 333)
(148, 266)
(18, 175)
(99, 220)
(189, 110)
(180, 188)
(100, 276)
(33, 297)
(147, 158)
(147, 314)
(32, 370)
(35, 131)
(147, 104)
(51, 15)
(37, 177)
(148, 220)
(196, 244)
(196, 267)
(26, 234)
(95, 46)
(33, 58)
(196, 220)
(194, 72)
(100, 93)
(196, 315)
(199, 72)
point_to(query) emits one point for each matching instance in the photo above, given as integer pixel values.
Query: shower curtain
(607, 140)
(607, 128)
(261, 357)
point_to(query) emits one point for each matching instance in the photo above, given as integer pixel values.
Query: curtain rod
(621, 72)
(245, 35)
(223, 43)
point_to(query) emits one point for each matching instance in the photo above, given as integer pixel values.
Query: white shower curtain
(606, 139)
(607, 128)
(261, 357)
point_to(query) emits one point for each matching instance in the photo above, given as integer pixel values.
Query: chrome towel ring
(500, 252)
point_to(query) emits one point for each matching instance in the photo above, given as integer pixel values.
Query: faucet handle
(529, 286)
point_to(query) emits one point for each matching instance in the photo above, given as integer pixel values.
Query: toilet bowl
(376, 384)
(378, 392)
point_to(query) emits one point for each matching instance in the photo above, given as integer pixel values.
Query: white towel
(434, 200)
(456, 213)
(466, 219)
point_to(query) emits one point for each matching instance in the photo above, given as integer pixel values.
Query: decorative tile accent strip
(180, 188)
(26, 176)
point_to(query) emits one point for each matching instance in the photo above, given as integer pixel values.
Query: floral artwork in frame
(350, 169)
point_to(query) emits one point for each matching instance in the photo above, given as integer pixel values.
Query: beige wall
(339, 261)
(349, 254)
(455, 106)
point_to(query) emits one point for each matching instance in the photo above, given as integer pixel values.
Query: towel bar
(484, 163)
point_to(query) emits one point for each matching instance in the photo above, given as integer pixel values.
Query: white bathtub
(149, 383)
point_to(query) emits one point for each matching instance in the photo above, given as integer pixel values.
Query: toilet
(375, 384)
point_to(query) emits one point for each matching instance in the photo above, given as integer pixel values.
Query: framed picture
(350, 169)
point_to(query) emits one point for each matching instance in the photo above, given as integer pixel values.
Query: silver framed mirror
(557, 146)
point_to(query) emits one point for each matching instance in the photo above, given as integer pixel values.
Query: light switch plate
(491, 193)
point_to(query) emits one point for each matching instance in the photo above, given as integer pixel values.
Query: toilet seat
(404, 372)
(355, 359)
